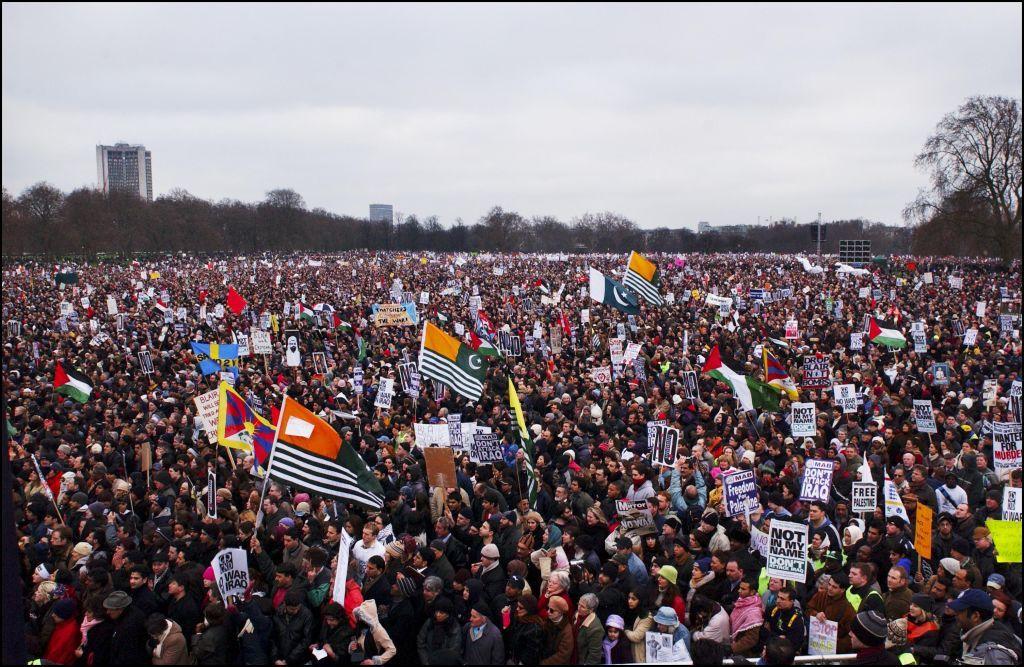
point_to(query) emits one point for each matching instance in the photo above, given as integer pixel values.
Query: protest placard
(392, 314)
(385, 393)
(856, 341)
(740, 493)
(455, 431)
(1006, 447)
(211, 493)
(792, 330)
(207, 409)
(1006, 536)
(803, 418)
(440, 467)
(817, 480)
(601, 374)
(486, 448)
(665, 444)
(319, 363)
(231, 572)
(940, 374)
(787, 551)
(661, 647)
(1011, 504)
(924, 417)
(690, 385)
(634, 518)
(864, 498)
(970, 337)
(846, 398)
(822, 637)
(923, 530)
(817, 373)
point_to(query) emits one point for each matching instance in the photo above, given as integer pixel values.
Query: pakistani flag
(605, 290)
(71, 383)
(882, 333)
(749, 393)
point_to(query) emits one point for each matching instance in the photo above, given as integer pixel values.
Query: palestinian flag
(344, 326)
(543, 286)
(883, 333)
(749, 393)
(71, 383)
(605, 290)
(445, 359)
(307, 313)
(484, 346)
(159, 307)
(642, 277)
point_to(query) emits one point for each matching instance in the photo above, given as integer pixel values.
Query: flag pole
(270, 461)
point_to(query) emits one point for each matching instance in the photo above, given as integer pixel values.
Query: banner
(231, 572)
(393, 314)
(1006, 448)
(740, 493)
(439, 435)
(864, 497)
(486, 448)
(341, 574)
(923, 530)
(787, 551)
(924, 417)
(822, 637)
(817, 480)
(846, 398)
(1011, 504)
(817, 373)
(802, 420)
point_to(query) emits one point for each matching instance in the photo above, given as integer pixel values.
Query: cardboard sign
(817, 373)
(1006, 448)
(923, 530)
(440, 467)
(739, 489)
(231, 571)
(817, 480)
(924, 417)
(822, 637)
(787, 551)
(385, 394)
(920, 342)
(486, 448)
(803, 417)
(864, 497)
(392, 315)
(846, 398)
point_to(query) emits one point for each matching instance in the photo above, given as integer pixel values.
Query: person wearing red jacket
(67, 635)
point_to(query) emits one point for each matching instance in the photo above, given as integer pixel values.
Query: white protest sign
(243, 344)
(979, 308)
(601, 375)
(385, 393)
(231, 571)
(822, 637)
(817, 480)
(787, 551)
(1006, 448)
(111, 306)
(259, 342)
(792, 330)
(846, 398)
(893, 502)
(857, 341)
(632, 352)
(924, 417)
(864, 497)
(802, 420)
(970, 337)
(1011, 504)
(341, 574)
(207, 410)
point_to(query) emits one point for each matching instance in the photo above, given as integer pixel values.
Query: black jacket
(215, 646)
(293, 635)
(128, 643)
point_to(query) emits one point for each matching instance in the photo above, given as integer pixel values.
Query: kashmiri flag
(235, 301)
(605, 290)
(445, 359)
(484, 346)
(642, 277)
(241, 427)
(306, 313)
(69, 382)
(776, 375)
(882, 333)
(749, 393)
(309, 454)
(524, 436)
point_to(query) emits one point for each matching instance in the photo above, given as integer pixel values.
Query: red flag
(235, 301)
(202, 296)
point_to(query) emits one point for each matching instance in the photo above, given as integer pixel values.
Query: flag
(543, 286)
(69, 382)
(214, 357)
(777, 376)
(360, 345)
(484, 346)
(235, 301)
(527, 441)
(483, 323)
(605, 290)
(309, 454)
(885, 335)
(343, 326)
(159, 307)
(306, 313)
(749, 393)
(241, 427)
(444, 358)
(642, 277)
(66, 278)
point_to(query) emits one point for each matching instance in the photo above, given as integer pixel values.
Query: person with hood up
(971, 480)
(372, 645)
(615, 648)
(551, 557)
(170, 646)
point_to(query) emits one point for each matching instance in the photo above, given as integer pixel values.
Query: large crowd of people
(117, 537)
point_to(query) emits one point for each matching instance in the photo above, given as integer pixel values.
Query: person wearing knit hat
(395, 550)
(669, 573)
(896, 641)
(869, 631)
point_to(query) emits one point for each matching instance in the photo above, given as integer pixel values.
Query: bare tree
(975, 153)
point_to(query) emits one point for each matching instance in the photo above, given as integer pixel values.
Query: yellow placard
(1006, 536)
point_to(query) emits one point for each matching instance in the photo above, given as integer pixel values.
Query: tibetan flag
(445, 359)
(882, 333)
(605, 290)
(69, 382)
(235, 301)
(241, 427)
(642, 277)
(524, 436)
(776, 375)
(484, 346)
(309, 454)
(749, 393)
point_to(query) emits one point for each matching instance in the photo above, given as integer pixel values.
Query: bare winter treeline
(45, 221)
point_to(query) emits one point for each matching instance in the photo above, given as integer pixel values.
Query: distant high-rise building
(703, 227)
(382, 213)
(125, 168)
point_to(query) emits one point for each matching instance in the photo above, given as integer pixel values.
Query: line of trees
(42, 220)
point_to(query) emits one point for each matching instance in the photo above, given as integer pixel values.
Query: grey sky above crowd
(668, 114)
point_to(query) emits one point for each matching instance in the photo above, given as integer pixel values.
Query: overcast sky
(666, 114)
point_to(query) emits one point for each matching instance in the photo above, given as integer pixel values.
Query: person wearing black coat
(293, 630)
(128, 641)
(254, 631)
(215, 645)
(440, 633)
(335, 635)
(525, 635)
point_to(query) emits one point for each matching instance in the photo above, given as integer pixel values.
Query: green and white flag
(605, 290)
(750, 393)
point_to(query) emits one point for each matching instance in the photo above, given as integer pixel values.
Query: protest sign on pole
(787, 551)
(385, 393)
(802, 420)
(817, 480)
(486, 448)
(455, 430)
(864, 497)
(231, 572)
(846, 398)
(341, 574)
(666, 445)
(739, 489)
(817, 373)
(923, 530)
(260, 342)
(1006, 448)
(1011, 504)
(924, 417)
(440, 467)
(822, 637)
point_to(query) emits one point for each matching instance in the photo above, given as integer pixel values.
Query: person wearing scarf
(170, 648)
(745, 621)
(616, 649)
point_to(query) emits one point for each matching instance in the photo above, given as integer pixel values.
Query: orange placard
(923, 531)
